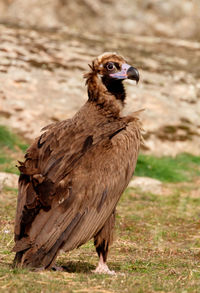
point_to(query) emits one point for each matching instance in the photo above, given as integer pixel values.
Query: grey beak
(133, 73)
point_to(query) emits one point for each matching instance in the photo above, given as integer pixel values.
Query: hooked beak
(126, 72)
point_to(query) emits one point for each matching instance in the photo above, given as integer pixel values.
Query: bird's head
(107, 73)
(111, 66)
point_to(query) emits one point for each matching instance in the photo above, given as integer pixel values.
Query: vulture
(73, 175)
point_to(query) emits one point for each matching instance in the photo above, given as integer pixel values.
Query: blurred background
(45, 46)
(169, 18)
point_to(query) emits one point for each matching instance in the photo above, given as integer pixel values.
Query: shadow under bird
(75, 172)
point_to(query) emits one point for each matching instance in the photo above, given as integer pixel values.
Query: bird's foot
(102, 268)
(38, 269)
(57, 268)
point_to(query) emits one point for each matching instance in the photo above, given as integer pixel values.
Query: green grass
(168, 169)
(12, 148)
(11, 140)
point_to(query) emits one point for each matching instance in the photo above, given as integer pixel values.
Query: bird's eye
(110, 66)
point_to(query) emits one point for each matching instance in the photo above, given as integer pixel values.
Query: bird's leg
(102, 267)
(102, 241)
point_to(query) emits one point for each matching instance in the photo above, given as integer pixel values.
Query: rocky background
(45, 47)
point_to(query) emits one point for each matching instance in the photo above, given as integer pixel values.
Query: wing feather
(72, 179)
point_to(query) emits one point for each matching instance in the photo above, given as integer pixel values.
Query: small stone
(146, 184)
(8, 179)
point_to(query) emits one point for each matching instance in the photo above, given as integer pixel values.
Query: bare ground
(42, 81)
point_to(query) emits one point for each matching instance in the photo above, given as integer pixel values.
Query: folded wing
(70, 183)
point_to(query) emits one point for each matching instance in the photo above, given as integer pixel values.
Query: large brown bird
(75, 172)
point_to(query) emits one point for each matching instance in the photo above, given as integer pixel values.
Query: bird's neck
(109, 95)
(116, 88)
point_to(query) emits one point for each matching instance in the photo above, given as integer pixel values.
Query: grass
(10, 140)
(168, 169)
(156, 248)
(157, 243)
(12, 148)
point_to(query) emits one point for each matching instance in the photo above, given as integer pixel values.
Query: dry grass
(156, 248)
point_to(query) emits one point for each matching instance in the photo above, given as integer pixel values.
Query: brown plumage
(75, 172)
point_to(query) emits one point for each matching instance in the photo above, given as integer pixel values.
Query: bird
(75, 172)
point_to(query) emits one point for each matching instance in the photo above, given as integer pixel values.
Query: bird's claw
(57, 268)
(103, 269)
